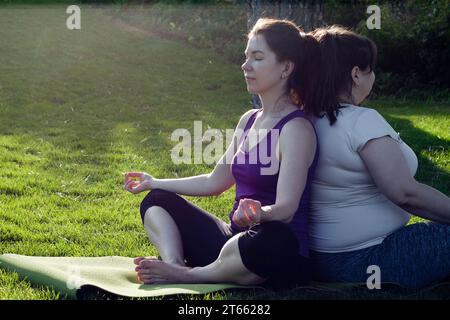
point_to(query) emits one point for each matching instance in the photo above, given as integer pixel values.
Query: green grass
(78, 108)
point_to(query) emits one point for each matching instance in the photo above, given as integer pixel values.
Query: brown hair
(290, 43)
(341, 50)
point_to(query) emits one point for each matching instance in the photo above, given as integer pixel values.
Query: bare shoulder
(245, 117)
(298, 128)
(298, 132)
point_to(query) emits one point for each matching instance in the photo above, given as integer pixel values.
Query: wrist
(155, 184)
(265, 213)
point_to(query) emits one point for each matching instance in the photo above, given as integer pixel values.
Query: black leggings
(270, 250)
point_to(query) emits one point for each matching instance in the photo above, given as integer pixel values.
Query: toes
(149, 263)
(146, 279)
(145, 273)
(151, 271)
(138, 260)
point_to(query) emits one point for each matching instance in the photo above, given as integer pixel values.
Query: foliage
(414, 46)
(79, 108)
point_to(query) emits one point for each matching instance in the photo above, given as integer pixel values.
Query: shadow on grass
(108, 117)
(314, 292)
(420, 141)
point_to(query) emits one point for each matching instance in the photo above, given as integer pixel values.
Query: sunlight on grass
(79, 108)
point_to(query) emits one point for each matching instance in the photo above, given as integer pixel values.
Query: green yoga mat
(116, 275)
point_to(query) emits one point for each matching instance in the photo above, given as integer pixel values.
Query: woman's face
(261, 69)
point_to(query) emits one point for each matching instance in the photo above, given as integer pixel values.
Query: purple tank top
(253, 182)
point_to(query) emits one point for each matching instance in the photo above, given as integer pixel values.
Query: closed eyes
(256, 59)
(254, 53)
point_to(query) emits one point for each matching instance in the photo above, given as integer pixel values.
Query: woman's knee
(268, 248)
(156, 197)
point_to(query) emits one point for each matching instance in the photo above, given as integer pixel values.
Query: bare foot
(153, 271)
(138, 260)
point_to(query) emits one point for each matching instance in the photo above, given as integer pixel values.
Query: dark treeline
(413, 41)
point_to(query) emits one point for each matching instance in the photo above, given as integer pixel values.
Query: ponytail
(341, 50)
(329, 102)
(309, 74)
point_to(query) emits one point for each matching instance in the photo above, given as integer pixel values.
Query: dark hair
(290, 43)
(341, 51)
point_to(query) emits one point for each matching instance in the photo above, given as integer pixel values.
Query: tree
(307, 14)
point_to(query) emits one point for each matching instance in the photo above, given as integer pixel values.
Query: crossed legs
(197, 247)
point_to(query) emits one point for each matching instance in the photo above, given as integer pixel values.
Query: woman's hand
(136, 182)
(248, 213)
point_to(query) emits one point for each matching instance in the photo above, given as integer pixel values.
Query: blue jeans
(414, 256)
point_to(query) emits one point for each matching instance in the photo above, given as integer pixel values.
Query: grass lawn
(78, 108)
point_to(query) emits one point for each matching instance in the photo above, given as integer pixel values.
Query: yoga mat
(116, 275)
(75, 276)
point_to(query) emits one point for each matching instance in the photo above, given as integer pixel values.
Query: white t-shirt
(347, 211)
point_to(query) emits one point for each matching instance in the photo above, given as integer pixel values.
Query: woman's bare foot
(139, 259)
(154, 271)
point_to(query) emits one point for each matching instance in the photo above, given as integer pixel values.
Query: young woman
(364, 189)
(267, 240)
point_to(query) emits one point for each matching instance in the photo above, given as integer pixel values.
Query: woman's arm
(387, 166)
(432, 211)
(297, 149)
(214, 183)
(189, 186)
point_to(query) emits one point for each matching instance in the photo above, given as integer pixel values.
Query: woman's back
(364, 180)
(344, 195)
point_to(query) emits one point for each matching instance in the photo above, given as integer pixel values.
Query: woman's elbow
(403, 194)
(219, 189)
(289, 213)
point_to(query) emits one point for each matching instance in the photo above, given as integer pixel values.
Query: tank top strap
(249, 124)
(299, 114)
(251, 120)
(287, 118)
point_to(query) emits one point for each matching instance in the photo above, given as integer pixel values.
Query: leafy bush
(219, 27)
(413, 45)
(413, 41)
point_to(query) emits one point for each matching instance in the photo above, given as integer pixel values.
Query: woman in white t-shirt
(364, 188)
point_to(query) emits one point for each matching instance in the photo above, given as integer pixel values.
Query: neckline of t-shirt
(265, 137)
(347, 104)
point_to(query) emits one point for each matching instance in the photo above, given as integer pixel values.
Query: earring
(283, 75)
